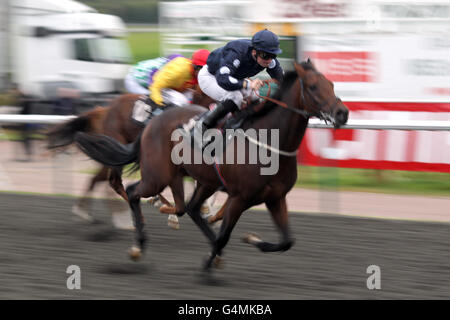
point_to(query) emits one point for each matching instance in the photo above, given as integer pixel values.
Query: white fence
(427, 125)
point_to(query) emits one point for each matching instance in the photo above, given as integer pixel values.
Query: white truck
(56, 44)
(3, 44)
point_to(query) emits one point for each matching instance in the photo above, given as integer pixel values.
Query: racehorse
(304, 93)
(115, 121)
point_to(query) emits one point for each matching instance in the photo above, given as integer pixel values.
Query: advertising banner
(382, 149)
(383, 77)
(383, 67)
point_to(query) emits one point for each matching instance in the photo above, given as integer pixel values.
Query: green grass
(7, 99)
(16, 135)
(144, 46)
(365, 180)
(368, 180)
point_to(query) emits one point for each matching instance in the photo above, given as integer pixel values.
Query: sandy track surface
(40, 238)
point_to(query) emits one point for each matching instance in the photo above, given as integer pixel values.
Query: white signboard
(373, 67)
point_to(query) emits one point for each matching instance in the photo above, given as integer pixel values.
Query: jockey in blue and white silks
(225, 77)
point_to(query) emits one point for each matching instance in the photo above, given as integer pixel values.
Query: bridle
(320, 114)
(306, 114)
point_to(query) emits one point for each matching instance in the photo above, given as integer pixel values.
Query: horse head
(317, 95)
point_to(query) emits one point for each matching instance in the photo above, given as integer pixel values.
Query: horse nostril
(342, 116)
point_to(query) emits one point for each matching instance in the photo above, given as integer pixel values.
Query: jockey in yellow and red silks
(172, 82)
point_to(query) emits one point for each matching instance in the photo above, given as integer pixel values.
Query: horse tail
(63, 134)
(107, 150)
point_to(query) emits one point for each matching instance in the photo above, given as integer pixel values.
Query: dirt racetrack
(40, 238)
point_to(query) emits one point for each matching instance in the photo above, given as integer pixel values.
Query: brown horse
(304, 93)
(114, 121)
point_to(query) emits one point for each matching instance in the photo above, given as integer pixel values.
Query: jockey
(225, 77)
(140, 76)
(172, 82)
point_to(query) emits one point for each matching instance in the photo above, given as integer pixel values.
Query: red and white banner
(382, 149)
(372, 72)
(347, 66)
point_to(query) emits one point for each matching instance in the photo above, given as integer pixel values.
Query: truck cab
(63, 43)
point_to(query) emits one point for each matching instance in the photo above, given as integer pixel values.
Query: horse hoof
(211, 219)
(154, 201)
(216, 225)
(218, 262)
(172, 222)
(135, 253)
(83, 214)
(252, 238)
(207, 262)
(204, 210)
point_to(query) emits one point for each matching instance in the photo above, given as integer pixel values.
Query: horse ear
(299, 69)
(310, 63)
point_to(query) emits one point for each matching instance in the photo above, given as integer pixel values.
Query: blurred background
(389, 60)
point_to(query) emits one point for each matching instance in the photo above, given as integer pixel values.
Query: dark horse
(304, 93)
(115, 121)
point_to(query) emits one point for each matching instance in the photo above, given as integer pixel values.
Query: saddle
(234, 122)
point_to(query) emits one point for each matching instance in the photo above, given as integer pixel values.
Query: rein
(305, 114)
(267, 147)
(283, 104)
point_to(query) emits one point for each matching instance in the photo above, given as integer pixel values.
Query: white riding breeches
(208, 84)
(132, 86)
(177, 98)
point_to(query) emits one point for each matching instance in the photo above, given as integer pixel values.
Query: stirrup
(197, 135)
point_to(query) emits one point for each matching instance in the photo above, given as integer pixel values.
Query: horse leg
(134, 197)
(81, 208)
(201, 193)
(219, 214)
(115, 181)
(206, 207)
(278, 210)
(120, 219)
(153, 201)
(178, 195)
(167, 207)
(164, 200)
(234, 207)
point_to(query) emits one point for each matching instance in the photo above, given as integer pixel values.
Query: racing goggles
(266, 56)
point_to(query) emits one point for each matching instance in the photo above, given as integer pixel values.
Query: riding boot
(210, 120)
(221, 110)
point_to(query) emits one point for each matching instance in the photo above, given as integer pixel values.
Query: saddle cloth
(143, 113)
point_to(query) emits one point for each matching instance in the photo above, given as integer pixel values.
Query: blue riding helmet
(266, 41)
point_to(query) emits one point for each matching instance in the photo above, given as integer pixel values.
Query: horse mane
(289, 78)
